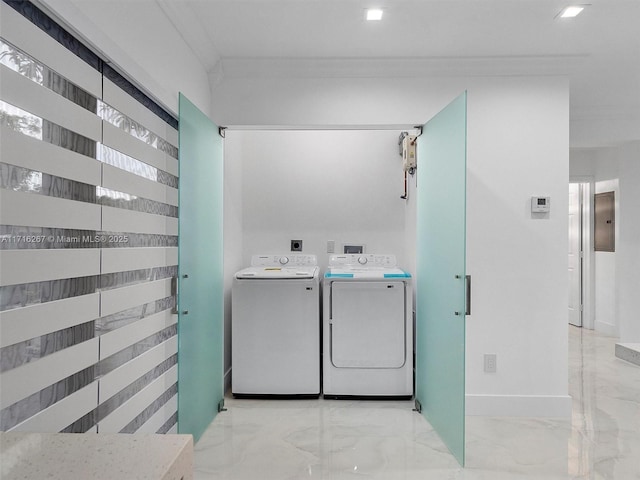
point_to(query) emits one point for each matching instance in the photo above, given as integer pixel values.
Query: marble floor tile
(343, 440)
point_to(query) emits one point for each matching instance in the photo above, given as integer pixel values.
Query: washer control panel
(363, 260)
(289, 260)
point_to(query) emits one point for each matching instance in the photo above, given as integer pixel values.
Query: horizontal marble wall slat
(118, 139)
(120, 180)
(17, 237)
(20, 179)
(121, 259)
(27, 95)
(36, 42)
(26, 294)
(48, 396)
(129, 410)
(21, 324)
(62, 413)
(119, 99)
(134, 425)
(25, 180)
(156, 421)
(27, 123)
(116, 340)
(30, 378)
(135, 361)
(34, 349)
(135, 129)
(22, 63)
(111, 404)
(27, 266)
(118, 159)
(119, 299)
(18, 208)
(120, 220)
(170, 426)
(28, 152)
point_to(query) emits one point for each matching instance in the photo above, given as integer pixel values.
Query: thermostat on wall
(540, 204)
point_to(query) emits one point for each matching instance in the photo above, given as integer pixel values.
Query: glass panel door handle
(467, 295)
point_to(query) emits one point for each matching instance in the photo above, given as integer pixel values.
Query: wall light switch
(331, 246)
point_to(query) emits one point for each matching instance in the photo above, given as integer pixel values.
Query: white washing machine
(367, 327)
(275, 327)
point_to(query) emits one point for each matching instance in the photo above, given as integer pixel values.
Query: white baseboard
(555, 406)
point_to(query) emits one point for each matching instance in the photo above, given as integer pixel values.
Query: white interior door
(575, 255)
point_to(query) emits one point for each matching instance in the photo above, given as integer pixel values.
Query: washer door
(368, 324)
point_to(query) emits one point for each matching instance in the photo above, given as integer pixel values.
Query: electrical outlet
(490, 363)
(296, 245)
(331, 246)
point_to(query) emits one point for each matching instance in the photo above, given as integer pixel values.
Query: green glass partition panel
(200, 294)
(441, 240)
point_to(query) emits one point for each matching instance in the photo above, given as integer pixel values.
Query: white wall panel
(129, 410)
(62, 413)
(120, 140)
(126, 374)
(18, 208)
(119, 220)
(42, 102)
(116, 340)
(123, 181)
(24, 34)
(122, 259)
(118, 299)
(24, 266)
(21, 324)
(122, 101)
(158, 419)
(32, 377)
(29, 152)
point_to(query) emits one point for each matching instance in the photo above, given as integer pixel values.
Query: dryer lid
(364, 273)
(273, 272)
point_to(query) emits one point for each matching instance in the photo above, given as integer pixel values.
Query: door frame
(588, 279)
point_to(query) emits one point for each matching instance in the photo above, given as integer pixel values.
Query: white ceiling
(599, 50)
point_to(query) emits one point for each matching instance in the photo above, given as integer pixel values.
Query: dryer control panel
(363, 260)
(289, 260)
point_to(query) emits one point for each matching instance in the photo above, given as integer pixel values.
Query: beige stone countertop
(91, 456)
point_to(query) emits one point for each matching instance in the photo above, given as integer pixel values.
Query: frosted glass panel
(200, 331)
(440, 310)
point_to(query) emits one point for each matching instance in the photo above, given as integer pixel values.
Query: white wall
(518, 263)
(317, 186)
(629, 243)
(518, 146)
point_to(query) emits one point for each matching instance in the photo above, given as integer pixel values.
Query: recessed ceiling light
(571, 11)
(374, 14)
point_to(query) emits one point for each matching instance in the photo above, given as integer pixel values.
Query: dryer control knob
(284, 260)
(362, 260)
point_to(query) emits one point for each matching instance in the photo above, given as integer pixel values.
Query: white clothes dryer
(367, 327)
(275, 327)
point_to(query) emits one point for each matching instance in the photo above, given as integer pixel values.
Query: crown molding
(403, 67)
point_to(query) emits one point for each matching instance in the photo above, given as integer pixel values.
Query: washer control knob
(362, 260)
(284, 260)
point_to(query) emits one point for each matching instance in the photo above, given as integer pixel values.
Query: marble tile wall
(19, 176)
